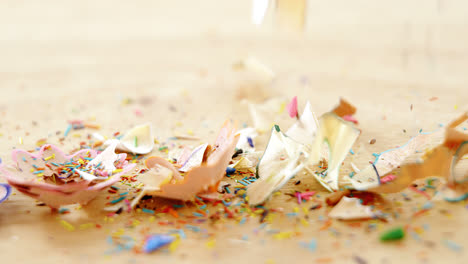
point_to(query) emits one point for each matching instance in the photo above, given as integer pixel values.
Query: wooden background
(63, 60)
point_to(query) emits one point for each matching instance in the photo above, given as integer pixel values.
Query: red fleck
(420, 192)
(350, 118)
(292, 107)
(387, 178)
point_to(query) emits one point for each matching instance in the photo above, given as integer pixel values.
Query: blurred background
(419, 42)
(68, 55)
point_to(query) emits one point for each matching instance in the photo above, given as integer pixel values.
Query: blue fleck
(63, 210)
(197, 214)
(180, 232)
(230, 170)
(7, 191)
(193, 228)
(109, 240)
(312, 245)
(155, 242)
(242, 221)
(67, 130)
(291, 214)
(457, 199)
(250, 141)
(415, 236)
(428, 205)
(452, 245)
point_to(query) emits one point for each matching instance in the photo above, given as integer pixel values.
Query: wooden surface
(64, 60)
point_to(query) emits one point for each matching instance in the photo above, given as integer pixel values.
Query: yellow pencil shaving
(67, 225)
(418, 230)
(119, 232)
(282, 107)
(41, 142)
(136, 223)
(283, 235)
(211, 244)
(50, 157)
(174, 245)
(86, 226)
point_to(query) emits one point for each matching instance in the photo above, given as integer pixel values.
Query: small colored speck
(393, 234)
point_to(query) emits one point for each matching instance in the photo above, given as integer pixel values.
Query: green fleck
(392, 234)
(163, 148)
